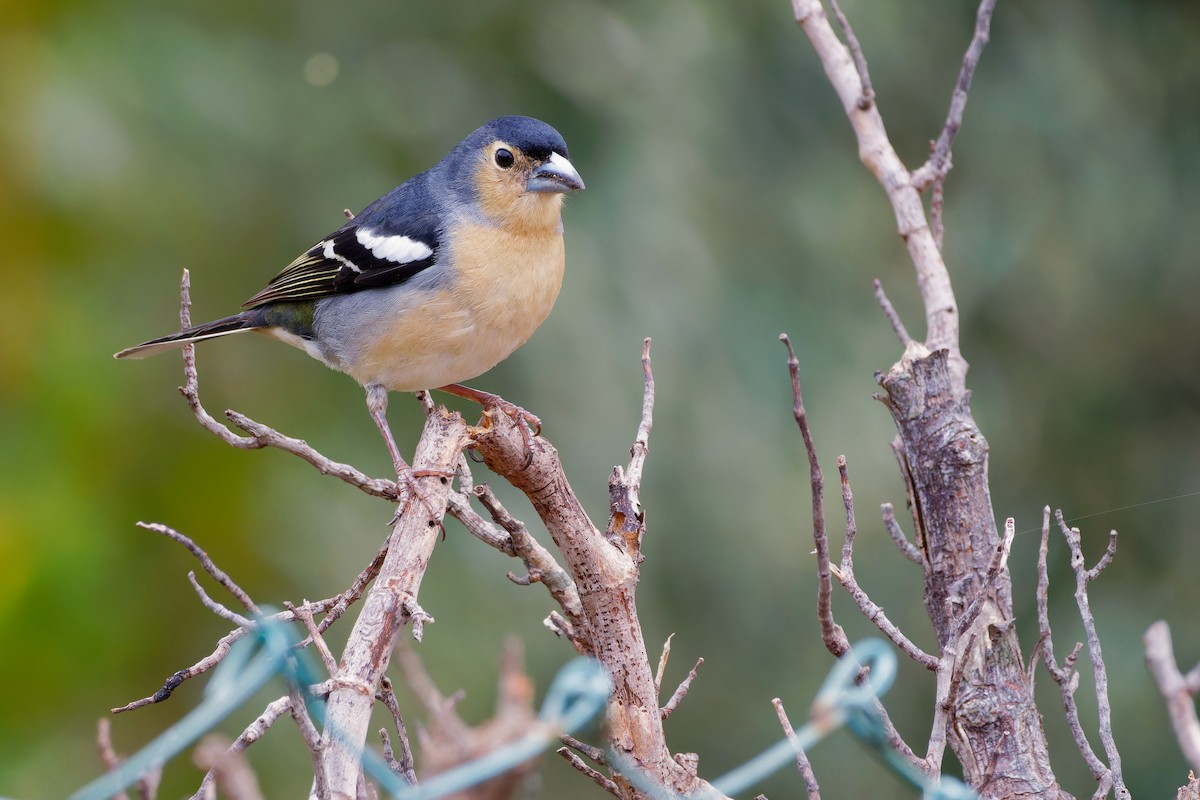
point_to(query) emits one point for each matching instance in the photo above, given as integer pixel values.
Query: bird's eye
(504, 159)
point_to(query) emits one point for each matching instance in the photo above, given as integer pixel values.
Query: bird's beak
(556, 175)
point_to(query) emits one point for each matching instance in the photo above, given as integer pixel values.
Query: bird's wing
(391, 241)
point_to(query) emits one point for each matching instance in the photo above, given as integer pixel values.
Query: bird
(432, 284)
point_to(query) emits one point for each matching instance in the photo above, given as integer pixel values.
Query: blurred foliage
(725, 203)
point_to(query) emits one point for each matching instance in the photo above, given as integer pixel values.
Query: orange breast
(500, 287)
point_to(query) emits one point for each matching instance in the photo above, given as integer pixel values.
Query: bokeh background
(725, 204)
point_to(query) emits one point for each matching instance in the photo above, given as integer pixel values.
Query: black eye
(504, 159)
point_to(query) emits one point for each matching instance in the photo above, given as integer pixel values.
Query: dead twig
(1084, 576)
(681, 691)
(515, 540)
(890, 312)
(389, 603)
(860, 61)
(1160, 658)
(208, 662)
(218, 574)
(662, 664)
(402, 765)
(869, 608)
(906, 548)
(803, 765)
(218, 609)
(230, 770)
(600, 780)
(939, 162)
(1065, 676)
(831, 633)
(261, 435)
(627, 519)
(252, 733)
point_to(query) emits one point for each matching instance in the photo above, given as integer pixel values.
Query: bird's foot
(408, 490)
(529, 424)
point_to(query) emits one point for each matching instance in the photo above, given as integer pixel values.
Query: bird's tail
(246, 321)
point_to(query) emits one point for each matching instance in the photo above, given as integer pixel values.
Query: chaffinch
(434, 283)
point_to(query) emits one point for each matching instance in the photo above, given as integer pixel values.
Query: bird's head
(517, 170)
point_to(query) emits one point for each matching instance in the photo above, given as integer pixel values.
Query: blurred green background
(725, 204)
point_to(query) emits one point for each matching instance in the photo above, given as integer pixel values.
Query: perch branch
(389, 603)
(514, 539)
(604, 567)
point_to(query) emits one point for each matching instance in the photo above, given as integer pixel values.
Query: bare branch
(937, 206)
(339, 604)
(218, 574)
(260, 435)
(594, 753)
(939, 162)
(208, 662)
(402, 765)
(1160, 658)
(869, 608)
(989, 585)
(877, 153)
(889, 311)
(601, 781)
(680, 692)
(231, 772)
(949, 678)
(515, 540)
(627, 519)
(802, 762)
(1065, 677)
(253, 732)
(860, 61)
(1083, 577)
(906, 548)
(218, 609)
(108, 755)
(390, 602)
(305, 615)
(662, 665)
(605, 570)
(831, 633)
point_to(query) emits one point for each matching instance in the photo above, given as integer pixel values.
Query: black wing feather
(340, 263)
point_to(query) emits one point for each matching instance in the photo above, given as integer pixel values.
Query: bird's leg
(528, 423)
(406, 484)
(377, 403)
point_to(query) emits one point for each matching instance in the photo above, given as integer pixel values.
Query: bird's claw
(407, 489)
(529, 424)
